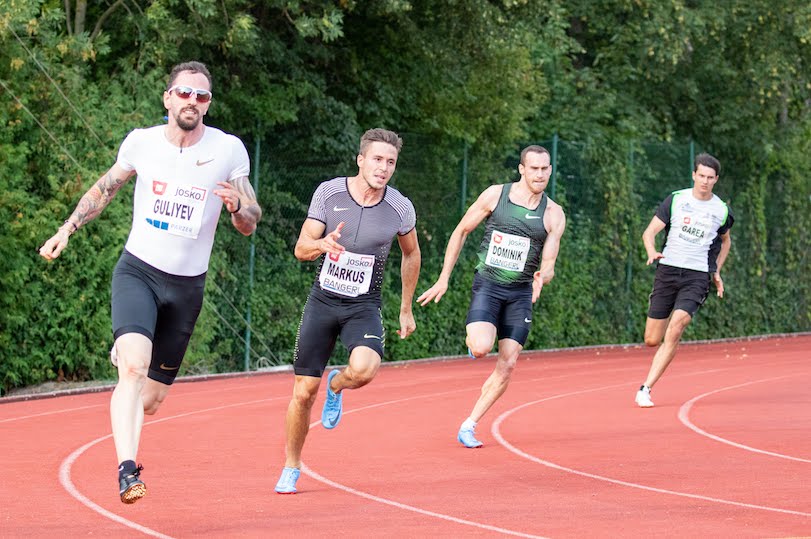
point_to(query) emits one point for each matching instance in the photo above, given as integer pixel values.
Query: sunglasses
(185, 92)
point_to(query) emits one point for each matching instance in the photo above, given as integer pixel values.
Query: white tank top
(175, 213)
(693, 230)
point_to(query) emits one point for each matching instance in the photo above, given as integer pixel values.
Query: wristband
(239, 206)
(69, 222)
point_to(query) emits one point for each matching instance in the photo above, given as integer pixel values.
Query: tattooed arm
(240, 201)
(90, 206)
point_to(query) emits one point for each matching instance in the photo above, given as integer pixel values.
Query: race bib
(507, 251)
(177, 208)
(347, 274)
(695, 229)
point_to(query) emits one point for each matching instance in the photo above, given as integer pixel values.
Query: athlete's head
(188, 94)
(705, 175)
(535, 168)
(708, 161)
(377, 159)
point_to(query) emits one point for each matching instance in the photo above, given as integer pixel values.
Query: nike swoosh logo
(527, 320)
(201, 163)
(168, 368)
(367, 336)
(336, 208)
(528, 216)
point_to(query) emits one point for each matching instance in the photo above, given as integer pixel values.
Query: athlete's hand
(407, 324)
(55, 245)
(537, 286)
(329, 243)
(719, 283)
(434, 293)
(229, 195)
(656, 256)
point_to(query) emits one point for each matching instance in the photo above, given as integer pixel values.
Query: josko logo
(686, 219)
(497, 237)
(159, 188)
(335, 257)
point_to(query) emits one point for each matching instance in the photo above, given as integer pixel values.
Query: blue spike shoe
(287, 481)
(468, 439)
(333, 405)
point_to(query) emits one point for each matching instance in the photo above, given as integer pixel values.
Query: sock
(126, 468)
(644, 388)
(468, 424)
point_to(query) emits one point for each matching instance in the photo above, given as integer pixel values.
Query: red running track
(726, 452)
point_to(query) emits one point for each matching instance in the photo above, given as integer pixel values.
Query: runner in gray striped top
(363, 215)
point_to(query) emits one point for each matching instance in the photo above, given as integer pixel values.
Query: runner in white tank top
(696, 224)
(186, 172)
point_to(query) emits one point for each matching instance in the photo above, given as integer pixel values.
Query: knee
(356, 378)
(151, 406)
(652, 340)
(132, 369)
(505, 367)
(480, 349)
(304, 396)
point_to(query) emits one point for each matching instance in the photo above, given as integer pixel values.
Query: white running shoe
(643, 397)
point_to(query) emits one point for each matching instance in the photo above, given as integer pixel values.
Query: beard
(187, 125)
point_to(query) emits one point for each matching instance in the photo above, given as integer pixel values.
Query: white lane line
(684, 417)
(496, 431)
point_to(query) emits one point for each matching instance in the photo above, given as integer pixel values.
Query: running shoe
(333, 405)
(287, 481)
(643, 397)
(468, 439)
(470, 353)
(130, 487)
(114, 357)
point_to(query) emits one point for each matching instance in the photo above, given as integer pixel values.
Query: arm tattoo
(97, 198)
(251, 213)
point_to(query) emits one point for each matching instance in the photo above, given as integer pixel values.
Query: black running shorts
(161, 306)
(324, 319)
(677, 288)
(508, 307)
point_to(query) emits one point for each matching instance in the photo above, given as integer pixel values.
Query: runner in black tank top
(523, 230)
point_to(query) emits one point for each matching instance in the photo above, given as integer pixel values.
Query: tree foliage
(302, 79)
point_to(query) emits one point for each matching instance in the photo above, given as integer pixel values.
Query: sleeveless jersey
(175, 214)
(510, 251)
(367, 236)
(693, 230)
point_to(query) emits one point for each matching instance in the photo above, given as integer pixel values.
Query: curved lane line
(684, 417)
(497, 434)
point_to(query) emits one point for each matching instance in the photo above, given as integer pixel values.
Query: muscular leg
(297, 421)
(134, 353)
(655, 330)
(153, 394)
(664, 354)
(362, 368)
(496, 384)
(481, 336)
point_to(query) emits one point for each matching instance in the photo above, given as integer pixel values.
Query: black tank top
(510, 251)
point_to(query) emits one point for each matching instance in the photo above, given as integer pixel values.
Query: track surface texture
(726, 452)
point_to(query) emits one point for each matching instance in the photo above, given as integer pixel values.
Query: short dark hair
(708, 161)
(532, 149)
(380, 135)
(194, 67)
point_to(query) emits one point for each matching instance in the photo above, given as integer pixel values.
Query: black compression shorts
(161, 306)
(509, 308)
(324, 319)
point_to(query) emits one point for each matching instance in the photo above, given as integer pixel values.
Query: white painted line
(495, 429)
(684, 417)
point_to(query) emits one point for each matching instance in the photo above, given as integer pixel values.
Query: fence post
(463, 197)
(629, 255)
(554, 163)
(692, 156)
(252, 259)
